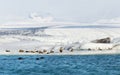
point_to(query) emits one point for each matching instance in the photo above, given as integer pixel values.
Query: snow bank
(96, 46)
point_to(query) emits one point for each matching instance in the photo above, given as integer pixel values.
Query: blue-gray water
(60, 65)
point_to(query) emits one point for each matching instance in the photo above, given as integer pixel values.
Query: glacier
(68, 37)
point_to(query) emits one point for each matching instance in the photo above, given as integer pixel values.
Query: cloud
(34, 18)
(109, 21)
(41, 19)
(37, 20)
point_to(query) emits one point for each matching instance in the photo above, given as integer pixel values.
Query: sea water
(60, 65)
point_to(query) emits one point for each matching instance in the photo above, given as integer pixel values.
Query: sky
(83, 11)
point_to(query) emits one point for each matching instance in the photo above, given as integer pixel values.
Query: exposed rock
(61, 49)
(27, 51)
(7, 50)
(89, 49)
(48, 52)
(36, 51)
(44, 51)
(71, 49)
(104, 40)
(32, 51)
(21, 50)
(51, 51)
(40, 52)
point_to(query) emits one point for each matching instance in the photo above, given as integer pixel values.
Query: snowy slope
(67, 37)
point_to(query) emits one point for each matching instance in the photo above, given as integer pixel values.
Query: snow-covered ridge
(78, 39)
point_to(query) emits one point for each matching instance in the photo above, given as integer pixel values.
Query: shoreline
(105, 52)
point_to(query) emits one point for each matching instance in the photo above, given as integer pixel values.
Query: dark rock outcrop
(21, 50)
(104, 40)
(7, 50)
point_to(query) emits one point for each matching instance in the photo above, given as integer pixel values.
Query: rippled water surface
(60, 65)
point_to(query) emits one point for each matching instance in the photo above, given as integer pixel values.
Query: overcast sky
(68, 10)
